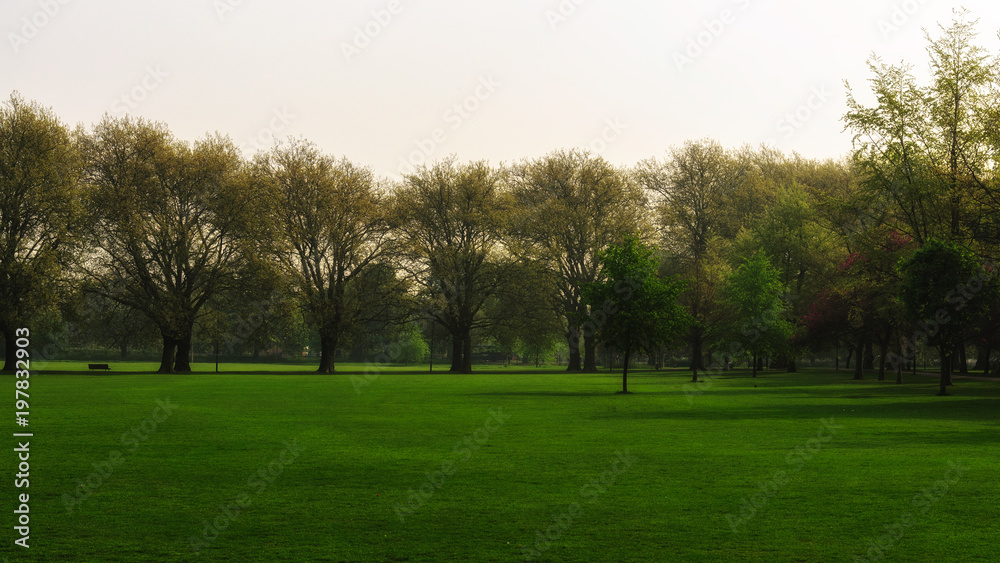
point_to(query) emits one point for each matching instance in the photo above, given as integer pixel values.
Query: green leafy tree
(632, 309)
(166, 224)
(924, 151)
(452, 224)
(333, 234)
(704, 197)
(891, 154)
(945, 291)
(754, 291)
(39, 211)
(964, 76)
(573, 204)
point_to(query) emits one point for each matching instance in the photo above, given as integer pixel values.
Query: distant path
(954, 376)
(935, 375)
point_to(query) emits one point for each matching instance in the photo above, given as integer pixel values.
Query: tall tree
(452, 223)
(963, 77)
(697, 190)
(39, 210)
(632, 309)
(923, 151)
(891, 153)
(574, 204)
(334, 234)
(166, 219)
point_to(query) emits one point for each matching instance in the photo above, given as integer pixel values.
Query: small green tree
(754, 292)
(632, 309)
(945, 291)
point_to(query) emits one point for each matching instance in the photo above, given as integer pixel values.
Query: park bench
(105, 367)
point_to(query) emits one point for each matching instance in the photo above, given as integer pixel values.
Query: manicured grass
(693, 461)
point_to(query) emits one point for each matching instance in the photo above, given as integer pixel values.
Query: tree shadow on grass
(954, 408)
(545, 393)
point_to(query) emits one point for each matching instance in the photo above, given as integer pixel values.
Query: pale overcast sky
(387, 83)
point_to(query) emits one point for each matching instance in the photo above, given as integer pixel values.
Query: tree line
(127, 227)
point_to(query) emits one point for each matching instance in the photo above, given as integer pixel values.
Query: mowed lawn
(402, 465)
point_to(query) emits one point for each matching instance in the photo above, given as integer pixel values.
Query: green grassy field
(402, 465)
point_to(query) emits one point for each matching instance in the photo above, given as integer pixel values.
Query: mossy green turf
(363, 453)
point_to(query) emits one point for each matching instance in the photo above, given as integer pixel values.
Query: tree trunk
(573, 340)
(9, 352)
(850, 353)
(963, 362)
(946, 368)
(859, 362)
(945, 373)
(883, 347)
(625, 372)
(123, 350)
(327, 353)
(182, 363)
(589, 353)
(754, 372)
(167, 357)
(467, 352)
(457, 353)
(697, 346)
(983, 353)
(869, 355)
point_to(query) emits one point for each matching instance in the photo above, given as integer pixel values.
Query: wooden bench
(105, 367)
